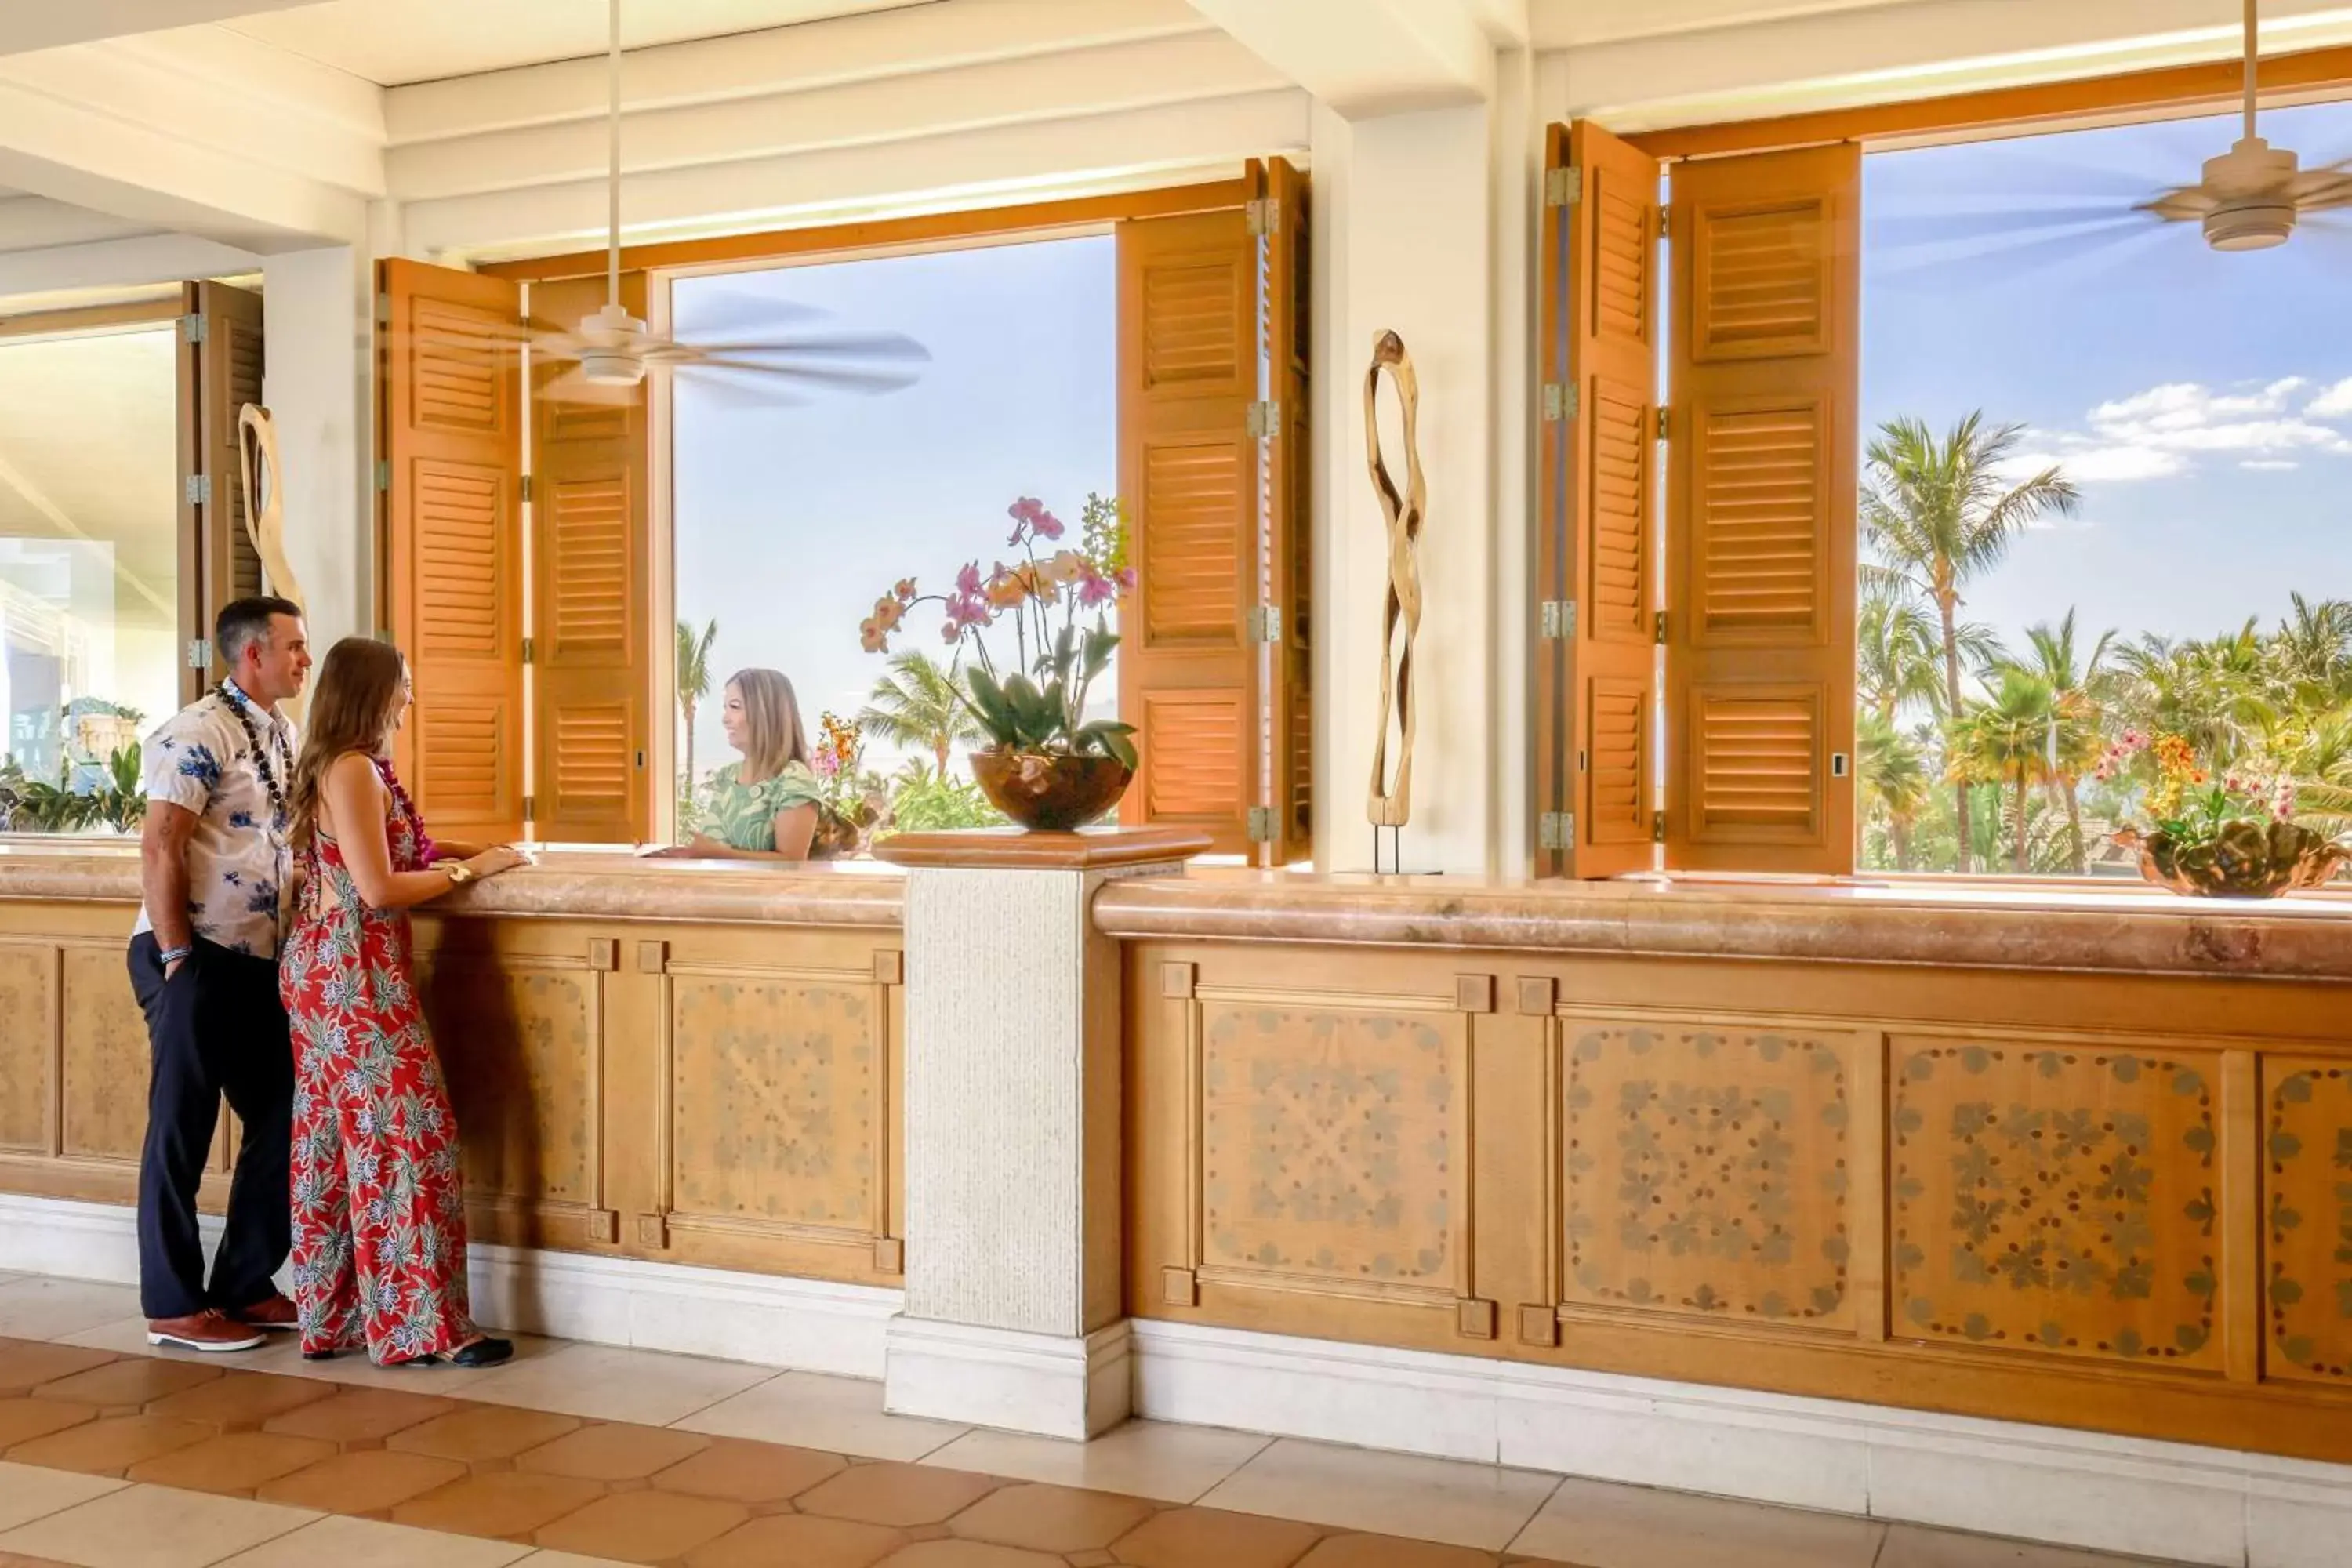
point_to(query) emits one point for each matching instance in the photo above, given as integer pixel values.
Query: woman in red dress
(379, 1211)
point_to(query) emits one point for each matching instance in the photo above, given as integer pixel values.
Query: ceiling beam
(1367, 58)
(35, 222)
(29, 24)
(119, 264)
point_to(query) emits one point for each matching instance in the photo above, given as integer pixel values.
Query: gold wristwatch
(460, 873)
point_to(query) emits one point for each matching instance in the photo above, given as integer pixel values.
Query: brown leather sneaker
(270, 1312)
(206, 1331)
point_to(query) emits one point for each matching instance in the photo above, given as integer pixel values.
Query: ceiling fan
(2251, 195)
(764, 352)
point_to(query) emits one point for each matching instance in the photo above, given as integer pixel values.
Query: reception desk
(682, 1064)
(2082, 1159)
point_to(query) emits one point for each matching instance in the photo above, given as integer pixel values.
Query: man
(214, 870)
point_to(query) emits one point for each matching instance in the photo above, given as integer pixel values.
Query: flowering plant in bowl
(853, 805)
(2234, 837)
(1047, 764)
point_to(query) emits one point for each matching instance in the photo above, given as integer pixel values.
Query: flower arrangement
(1032, 704)
(853, 805)
(2234, 836)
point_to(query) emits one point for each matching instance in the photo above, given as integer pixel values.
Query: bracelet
(171, 955)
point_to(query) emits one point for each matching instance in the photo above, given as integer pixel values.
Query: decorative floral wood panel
(106, 1057)
(1704, 1169)
(1331, 1143)
(2056, 1198)
(28, 1045)
(519, 1046)
(773, 1100)
(2307, 1217)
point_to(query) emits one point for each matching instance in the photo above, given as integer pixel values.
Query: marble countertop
(568, 882)
(2128, 928)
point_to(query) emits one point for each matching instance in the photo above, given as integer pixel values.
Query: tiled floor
(113, 1456)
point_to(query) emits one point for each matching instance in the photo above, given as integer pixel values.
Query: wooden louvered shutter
(1761, 513)
(452, 410)
(1284, 532)
(220, 353)
(1188, 472)
(590, 682)
(1597, 663)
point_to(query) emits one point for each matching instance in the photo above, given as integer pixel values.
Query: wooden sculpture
(265, 511)
(1391, 805)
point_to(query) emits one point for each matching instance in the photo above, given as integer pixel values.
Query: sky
(791, 520)
(2202, 401)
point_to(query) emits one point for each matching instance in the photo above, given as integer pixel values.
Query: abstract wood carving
(265, 511)
(1391, 804)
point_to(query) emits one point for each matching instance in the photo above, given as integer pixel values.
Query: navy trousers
(217, 1027)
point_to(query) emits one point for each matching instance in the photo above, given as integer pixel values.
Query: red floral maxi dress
(379, 1210)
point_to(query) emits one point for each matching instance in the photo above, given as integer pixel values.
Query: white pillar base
(1049, 1385)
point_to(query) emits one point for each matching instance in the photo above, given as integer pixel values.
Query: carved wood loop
(264, 512)
(1391, 800)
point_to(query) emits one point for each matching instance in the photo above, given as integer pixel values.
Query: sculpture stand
(1390, 804)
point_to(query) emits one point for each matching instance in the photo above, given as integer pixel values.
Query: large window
(89, 569)
(2105, 474)
(790, 519)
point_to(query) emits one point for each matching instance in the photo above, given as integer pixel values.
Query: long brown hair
(771, 719)
(351, 710)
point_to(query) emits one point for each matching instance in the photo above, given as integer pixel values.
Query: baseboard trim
(804, 1325)
(1045, 1384)
(2162, 1499)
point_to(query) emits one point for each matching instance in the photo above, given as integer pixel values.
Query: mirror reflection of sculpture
(1390, 803)
(265, 514)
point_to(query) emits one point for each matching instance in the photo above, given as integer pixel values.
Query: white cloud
(2334, 403)
(2160, 432)
(2270, 465)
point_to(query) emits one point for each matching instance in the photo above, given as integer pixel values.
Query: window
(789, 520)
(121, 532)
(2163, 436)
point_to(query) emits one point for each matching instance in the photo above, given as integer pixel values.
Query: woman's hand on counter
(701, 846)
(489, 863)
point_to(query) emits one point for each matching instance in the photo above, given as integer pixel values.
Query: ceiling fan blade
(2186, 205)
(834, 345)
(1997, 172)
(2006, 263)
(701, 313)
(1933, 228)
(730, 390)
(2328, 190)
(810, 375)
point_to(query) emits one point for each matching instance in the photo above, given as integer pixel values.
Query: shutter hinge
(1662, 221)
(1262, 217)
(384, 473)
(198, 489)
(1556, 619)
(530, 809)
(1666, 426)
(529, 651)
(1266, 624)
(1563, 187)
(1261, 825)
(1658, 627)
(1559, 401)
(526, 488)
(1556, 831)
(384, 310)
(1264, 417)
(193, 327)
(1658, 828)
(200, 654)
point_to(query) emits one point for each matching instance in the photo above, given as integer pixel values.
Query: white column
(319, 310)
(1013, 1315)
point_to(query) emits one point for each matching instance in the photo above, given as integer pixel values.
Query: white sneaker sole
(206, 1347)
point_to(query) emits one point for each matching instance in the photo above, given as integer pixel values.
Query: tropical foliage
(2048, 746)
(40, 806)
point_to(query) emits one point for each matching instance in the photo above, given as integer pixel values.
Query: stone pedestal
(1014, 1312)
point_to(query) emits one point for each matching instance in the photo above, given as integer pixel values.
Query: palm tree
(1938, 513)
(2005, 741)
(2078, 687)
(916, 705)
(2312, 649)
(2216, 693)
(1894, 780)
(693, 682)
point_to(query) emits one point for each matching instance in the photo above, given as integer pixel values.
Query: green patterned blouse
(743, 816)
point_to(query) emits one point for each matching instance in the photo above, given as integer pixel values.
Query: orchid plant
(1033, 702)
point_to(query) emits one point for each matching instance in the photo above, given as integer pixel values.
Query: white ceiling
(425, 40)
